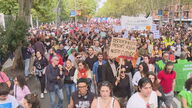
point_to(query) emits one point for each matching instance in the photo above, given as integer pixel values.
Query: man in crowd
(72, 57)
(167, 78)
(26, 54)
(97, 69)
(91, 59)
(161, 63)
(109, 71)
(82, 98)
(63, 52)
(39, 46)
(54, 75)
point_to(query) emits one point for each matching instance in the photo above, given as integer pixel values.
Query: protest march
(130, 62)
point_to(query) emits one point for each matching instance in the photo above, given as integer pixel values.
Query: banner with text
(122, 47)
(136, 23)
(183, 72)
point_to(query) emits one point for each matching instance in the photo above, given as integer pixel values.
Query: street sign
(72, 13)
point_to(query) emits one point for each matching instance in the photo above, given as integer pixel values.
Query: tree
(116, 8)
(44, 10)
(9, 7)
(87, 8)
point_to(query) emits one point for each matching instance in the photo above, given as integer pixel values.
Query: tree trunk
(25, 10)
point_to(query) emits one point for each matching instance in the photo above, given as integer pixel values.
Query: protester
(161, 63)
(143, 70)
(186, 94)
(167, 78)
(63, 52)
(122, 89)
(72, 57)
(40, 64)
(20, 88)
(91, 59)
(97, 69)
(151, 67)
(157, 88)
(54, 74)
(31, 101)
(39, 46)
(109, 72)
(97, 47)
(145, 97)
(52, 53)
(69, 71)
(82, 98)
(26, 54)
(105, 99)
(6, 100)
(82, 72)
(4, 78)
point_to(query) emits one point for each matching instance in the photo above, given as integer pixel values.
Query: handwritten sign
(122, 47)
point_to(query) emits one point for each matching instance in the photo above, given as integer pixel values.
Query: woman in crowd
(105, 99)
(39, 66)
(82, 72)
(186, 95)
(20, 88)
(4, 77)
(143, 70)
(122, 89)
(31, 101)
(145, 97)
(69, 85)
(146, 59)
(157, 88)
(156, 52)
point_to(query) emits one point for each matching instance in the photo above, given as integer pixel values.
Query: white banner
(2, 21)
(135, 23)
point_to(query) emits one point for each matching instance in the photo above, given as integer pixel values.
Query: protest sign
(122, 47)
(125, 35)
(2, 21)
(136, 23)
(183, 72)
(103, 34)
(156, 34)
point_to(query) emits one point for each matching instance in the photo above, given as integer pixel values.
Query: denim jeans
(59, 93)
(26, 64)
(70, 88)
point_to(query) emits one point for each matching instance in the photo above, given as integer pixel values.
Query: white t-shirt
(136, 101)
(10, 102)
(136, 78)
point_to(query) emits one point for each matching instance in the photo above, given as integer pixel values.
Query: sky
(101, 3)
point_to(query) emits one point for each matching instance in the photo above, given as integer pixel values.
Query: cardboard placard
(122, 47)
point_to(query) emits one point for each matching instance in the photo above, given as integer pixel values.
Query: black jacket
(107, 73)
(51, 75)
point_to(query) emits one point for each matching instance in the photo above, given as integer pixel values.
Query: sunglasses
(123, 71)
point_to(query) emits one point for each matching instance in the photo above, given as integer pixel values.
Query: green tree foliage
(8, 7)
(116, 8)
(14, 35)
(44, 10)
(87, 7)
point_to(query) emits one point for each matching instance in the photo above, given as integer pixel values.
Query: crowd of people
(75, 58)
